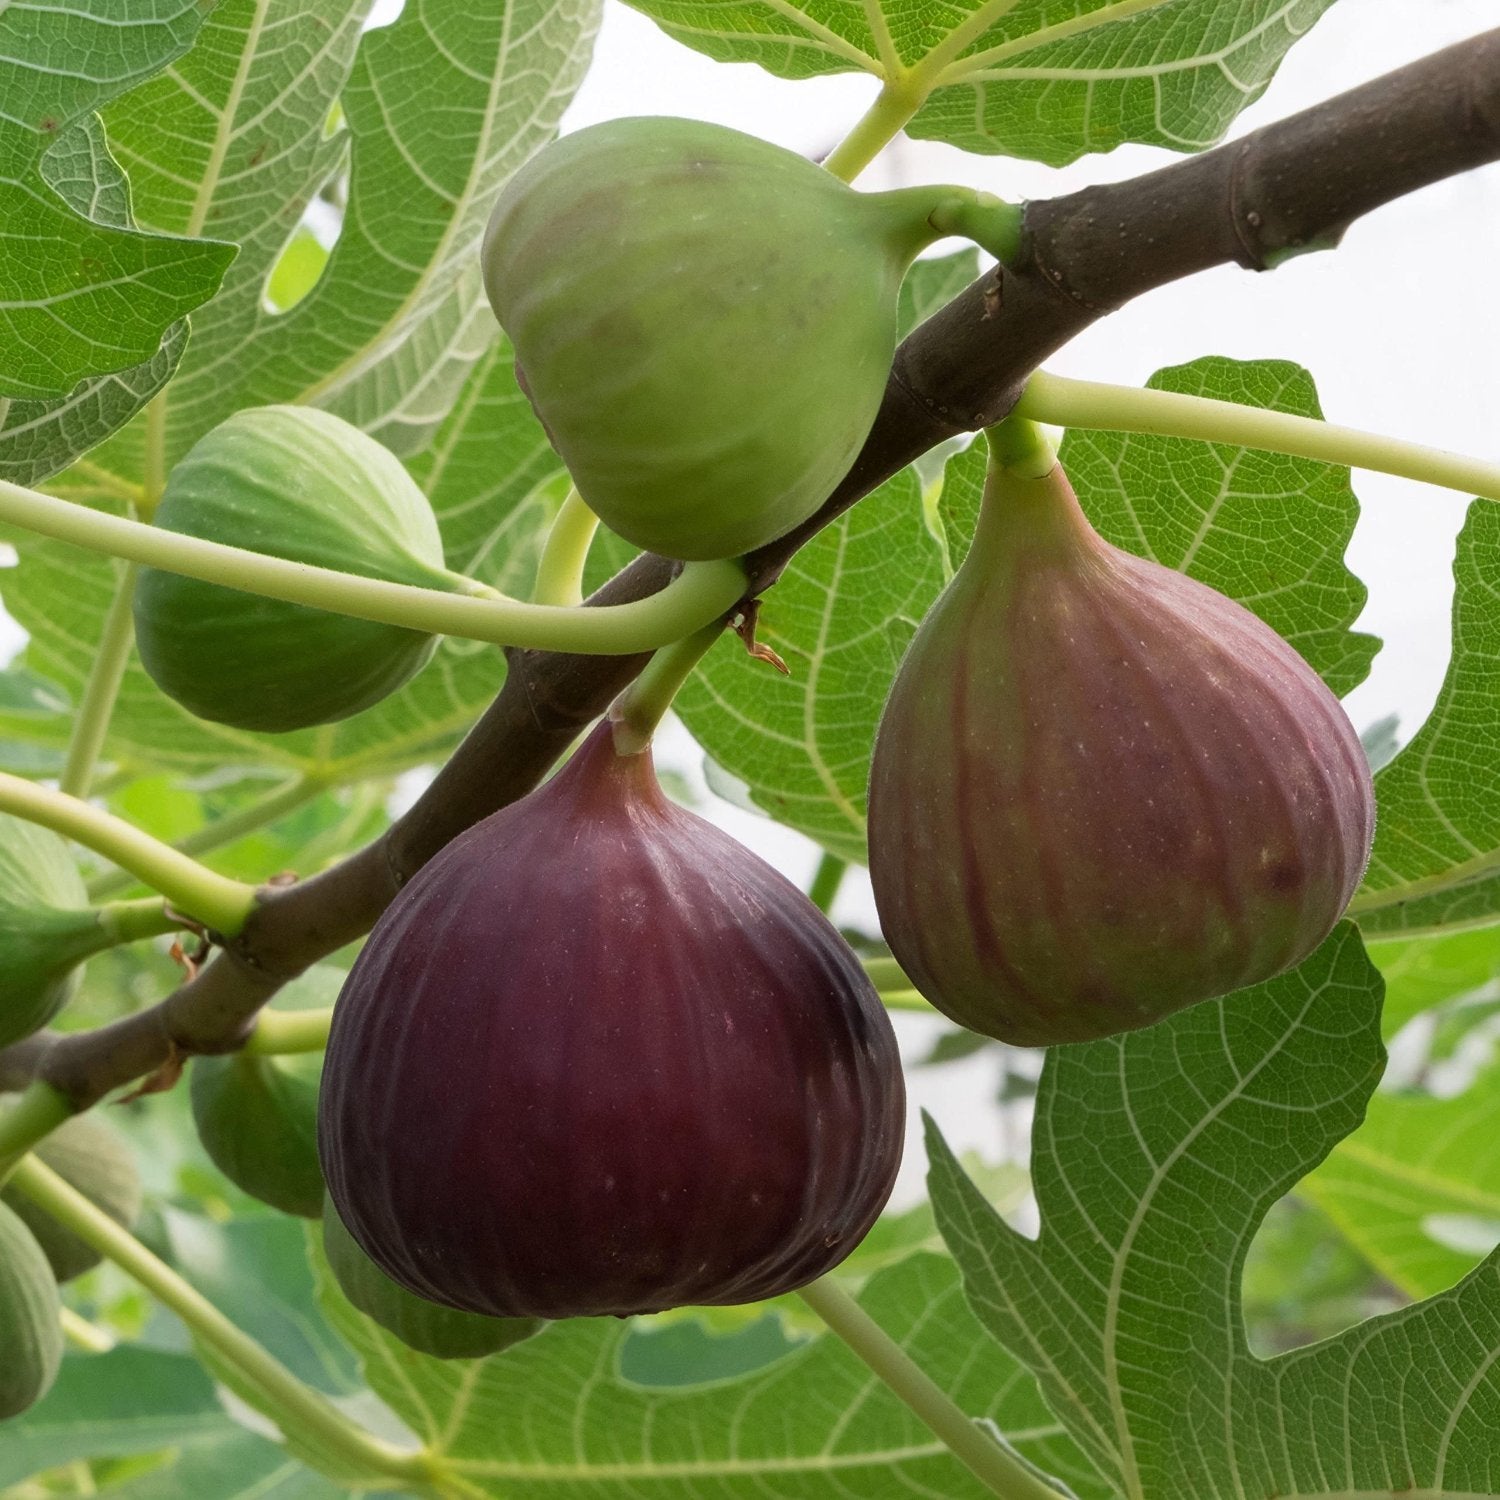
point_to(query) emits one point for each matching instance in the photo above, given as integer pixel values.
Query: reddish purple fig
(599, 1058)
(1102, 791)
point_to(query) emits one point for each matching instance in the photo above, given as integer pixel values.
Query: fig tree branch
(1293, 185)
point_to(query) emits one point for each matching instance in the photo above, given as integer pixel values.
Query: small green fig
(258, 1120)
(92, 1158)
(427, 1327)
(1102, 791)
(302, 484)
(703, 321)
(30, 1319)
(46, 927)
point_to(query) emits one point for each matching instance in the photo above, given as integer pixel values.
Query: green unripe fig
(30, 1330)
(91, 1157)
(443, 1332)
(258, 1120)
(704, 322)
(301, 484)
(1101, 790)
(46, 927)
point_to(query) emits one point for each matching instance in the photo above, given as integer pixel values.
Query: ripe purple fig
(599, 1058)
(1102, 791)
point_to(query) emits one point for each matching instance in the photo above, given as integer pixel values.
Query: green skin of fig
(1102, 791)
(92, 1158)
(258, 1120)
(301, 484)
(442, 1332)
(704, 321)
(46, 927)
(30, 1330)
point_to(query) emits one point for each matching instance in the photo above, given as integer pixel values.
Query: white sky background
(1400, 328)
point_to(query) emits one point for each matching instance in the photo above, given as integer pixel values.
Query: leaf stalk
(295, 1407)
(1117, 408)
(219, 903)
(701, 592)
(999, 1470)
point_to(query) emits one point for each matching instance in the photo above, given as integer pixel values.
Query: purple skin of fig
(598, 1058)
(1101, 790)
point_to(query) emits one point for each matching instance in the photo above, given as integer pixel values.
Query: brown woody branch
(1292, 186)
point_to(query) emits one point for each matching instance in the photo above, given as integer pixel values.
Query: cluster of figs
(597, 1057)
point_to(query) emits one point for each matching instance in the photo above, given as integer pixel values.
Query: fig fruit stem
(703, 591)
(32, 1118)
(107, 672)
(130, 921)
(1113, 408)
(994, 1466)
(992, 223)
(296, 1408)
(559, 573)
(278, 1032)
(218, 902)
(641, 707)
(287, 797)
(1021, 447)
(827, 879)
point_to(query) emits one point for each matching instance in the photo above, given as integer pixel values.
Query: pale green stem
(294, 1406)
(826, 881)
(559, 573)
(214, 900)
(912, 1000)
(997, 1469)
(991, 223)
(1022, 448)
(1114, 408)
(154, 457)
(885, 119)
(85, 1335)
(639, 709)
(112, 485)
(253, 815)
(281, 1031)
(130, 921)
(703, 591)
(33, 1117)
(904, 92)
(286, 798)
(111, 656)
(896, 990)
(886, 974)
